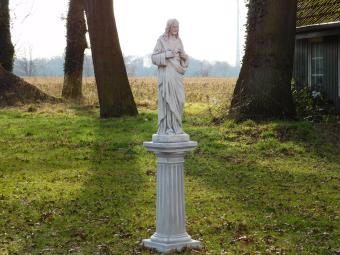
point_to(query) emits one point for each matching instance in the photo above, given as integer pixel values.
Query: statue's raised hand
(169, 54)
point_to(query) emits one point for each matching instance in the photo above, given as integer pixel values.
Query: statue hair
(169, 23)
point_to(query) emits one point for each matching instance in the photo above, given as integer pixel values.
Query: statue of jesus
(172, 62)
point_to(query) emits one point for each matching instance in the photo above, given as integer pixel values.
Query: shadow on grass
(268, 198)
(321, 139)
(94, 195)
(81, 185)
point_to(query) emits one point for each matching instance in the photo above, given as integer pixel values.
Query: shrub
(311, 103)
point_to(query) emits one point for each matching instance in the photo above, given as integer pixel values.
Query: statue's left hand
(183, 56)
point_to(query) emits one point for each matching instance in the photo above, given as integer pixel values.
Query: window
(317, 65)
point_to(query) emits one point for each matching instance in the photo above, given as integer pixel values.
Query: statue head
(172, 27)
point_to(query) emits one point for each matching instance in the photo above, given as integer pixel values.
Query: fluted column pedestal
(170, 206)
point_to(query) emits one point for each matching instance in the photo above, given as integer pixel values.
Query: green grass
(71, 183)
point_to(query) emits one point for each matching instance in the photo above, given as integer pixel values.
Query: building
(317, 50)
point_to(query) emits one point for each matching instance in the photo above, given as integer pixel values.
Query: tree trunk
(114, 92)
(74, 56)
(263, 89)
(15, 91)
(6, 46)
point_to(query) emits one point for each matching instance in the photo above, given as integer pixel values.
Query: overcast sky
(207, 27)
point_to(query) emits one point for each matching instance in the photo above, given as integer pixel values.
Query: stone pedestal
(170, 206)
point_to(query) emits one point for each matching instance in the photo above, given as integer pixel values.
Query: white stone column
(170, 206)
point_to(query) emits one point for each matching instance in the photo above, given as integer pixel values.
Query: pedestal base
(169, 247)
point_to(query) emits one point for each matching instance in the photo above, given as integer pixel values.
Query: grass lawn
(71, 183)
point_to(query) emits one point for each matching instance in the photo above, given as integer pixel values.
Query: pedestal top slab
(170, 147)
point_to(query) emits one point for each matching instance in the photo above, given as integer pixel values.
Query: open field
(71, 183)
(203, 90)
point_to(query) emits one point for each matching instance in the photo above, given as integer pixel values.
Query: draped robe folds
(171, 95)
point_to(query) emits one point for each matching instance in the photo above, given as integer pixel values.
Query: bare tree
(205, 69)
(25, 64)
(76, 45)
(130, 65)
(263, 88)
(114, 92)
(88, 66)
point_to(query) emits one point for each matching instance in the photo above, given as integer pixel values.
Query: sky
(207, 27)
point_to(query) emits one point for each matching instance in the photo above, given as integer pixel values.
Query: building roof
(314, 12)
(322, 26)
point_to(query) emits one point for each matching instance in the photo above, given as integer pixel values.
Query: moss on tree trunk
(15, 91)
(263, 88)
(74, 55)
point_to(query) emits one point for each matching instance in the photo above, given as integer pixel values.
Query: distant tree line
(135, 66)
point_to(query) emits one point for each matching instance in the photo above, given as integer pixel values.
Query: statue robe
(171, 95)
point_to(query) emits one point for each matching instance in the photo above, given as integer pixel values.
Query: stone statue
(170, 145)
(172, 62)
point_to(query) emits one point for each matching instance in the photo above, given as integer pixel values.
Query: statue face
(174, 29)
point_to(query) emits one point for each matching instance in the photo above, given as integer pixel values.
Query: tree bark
(6, 46)
(263, 89)
(114, 92)
(74, 55)
(15, 91)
